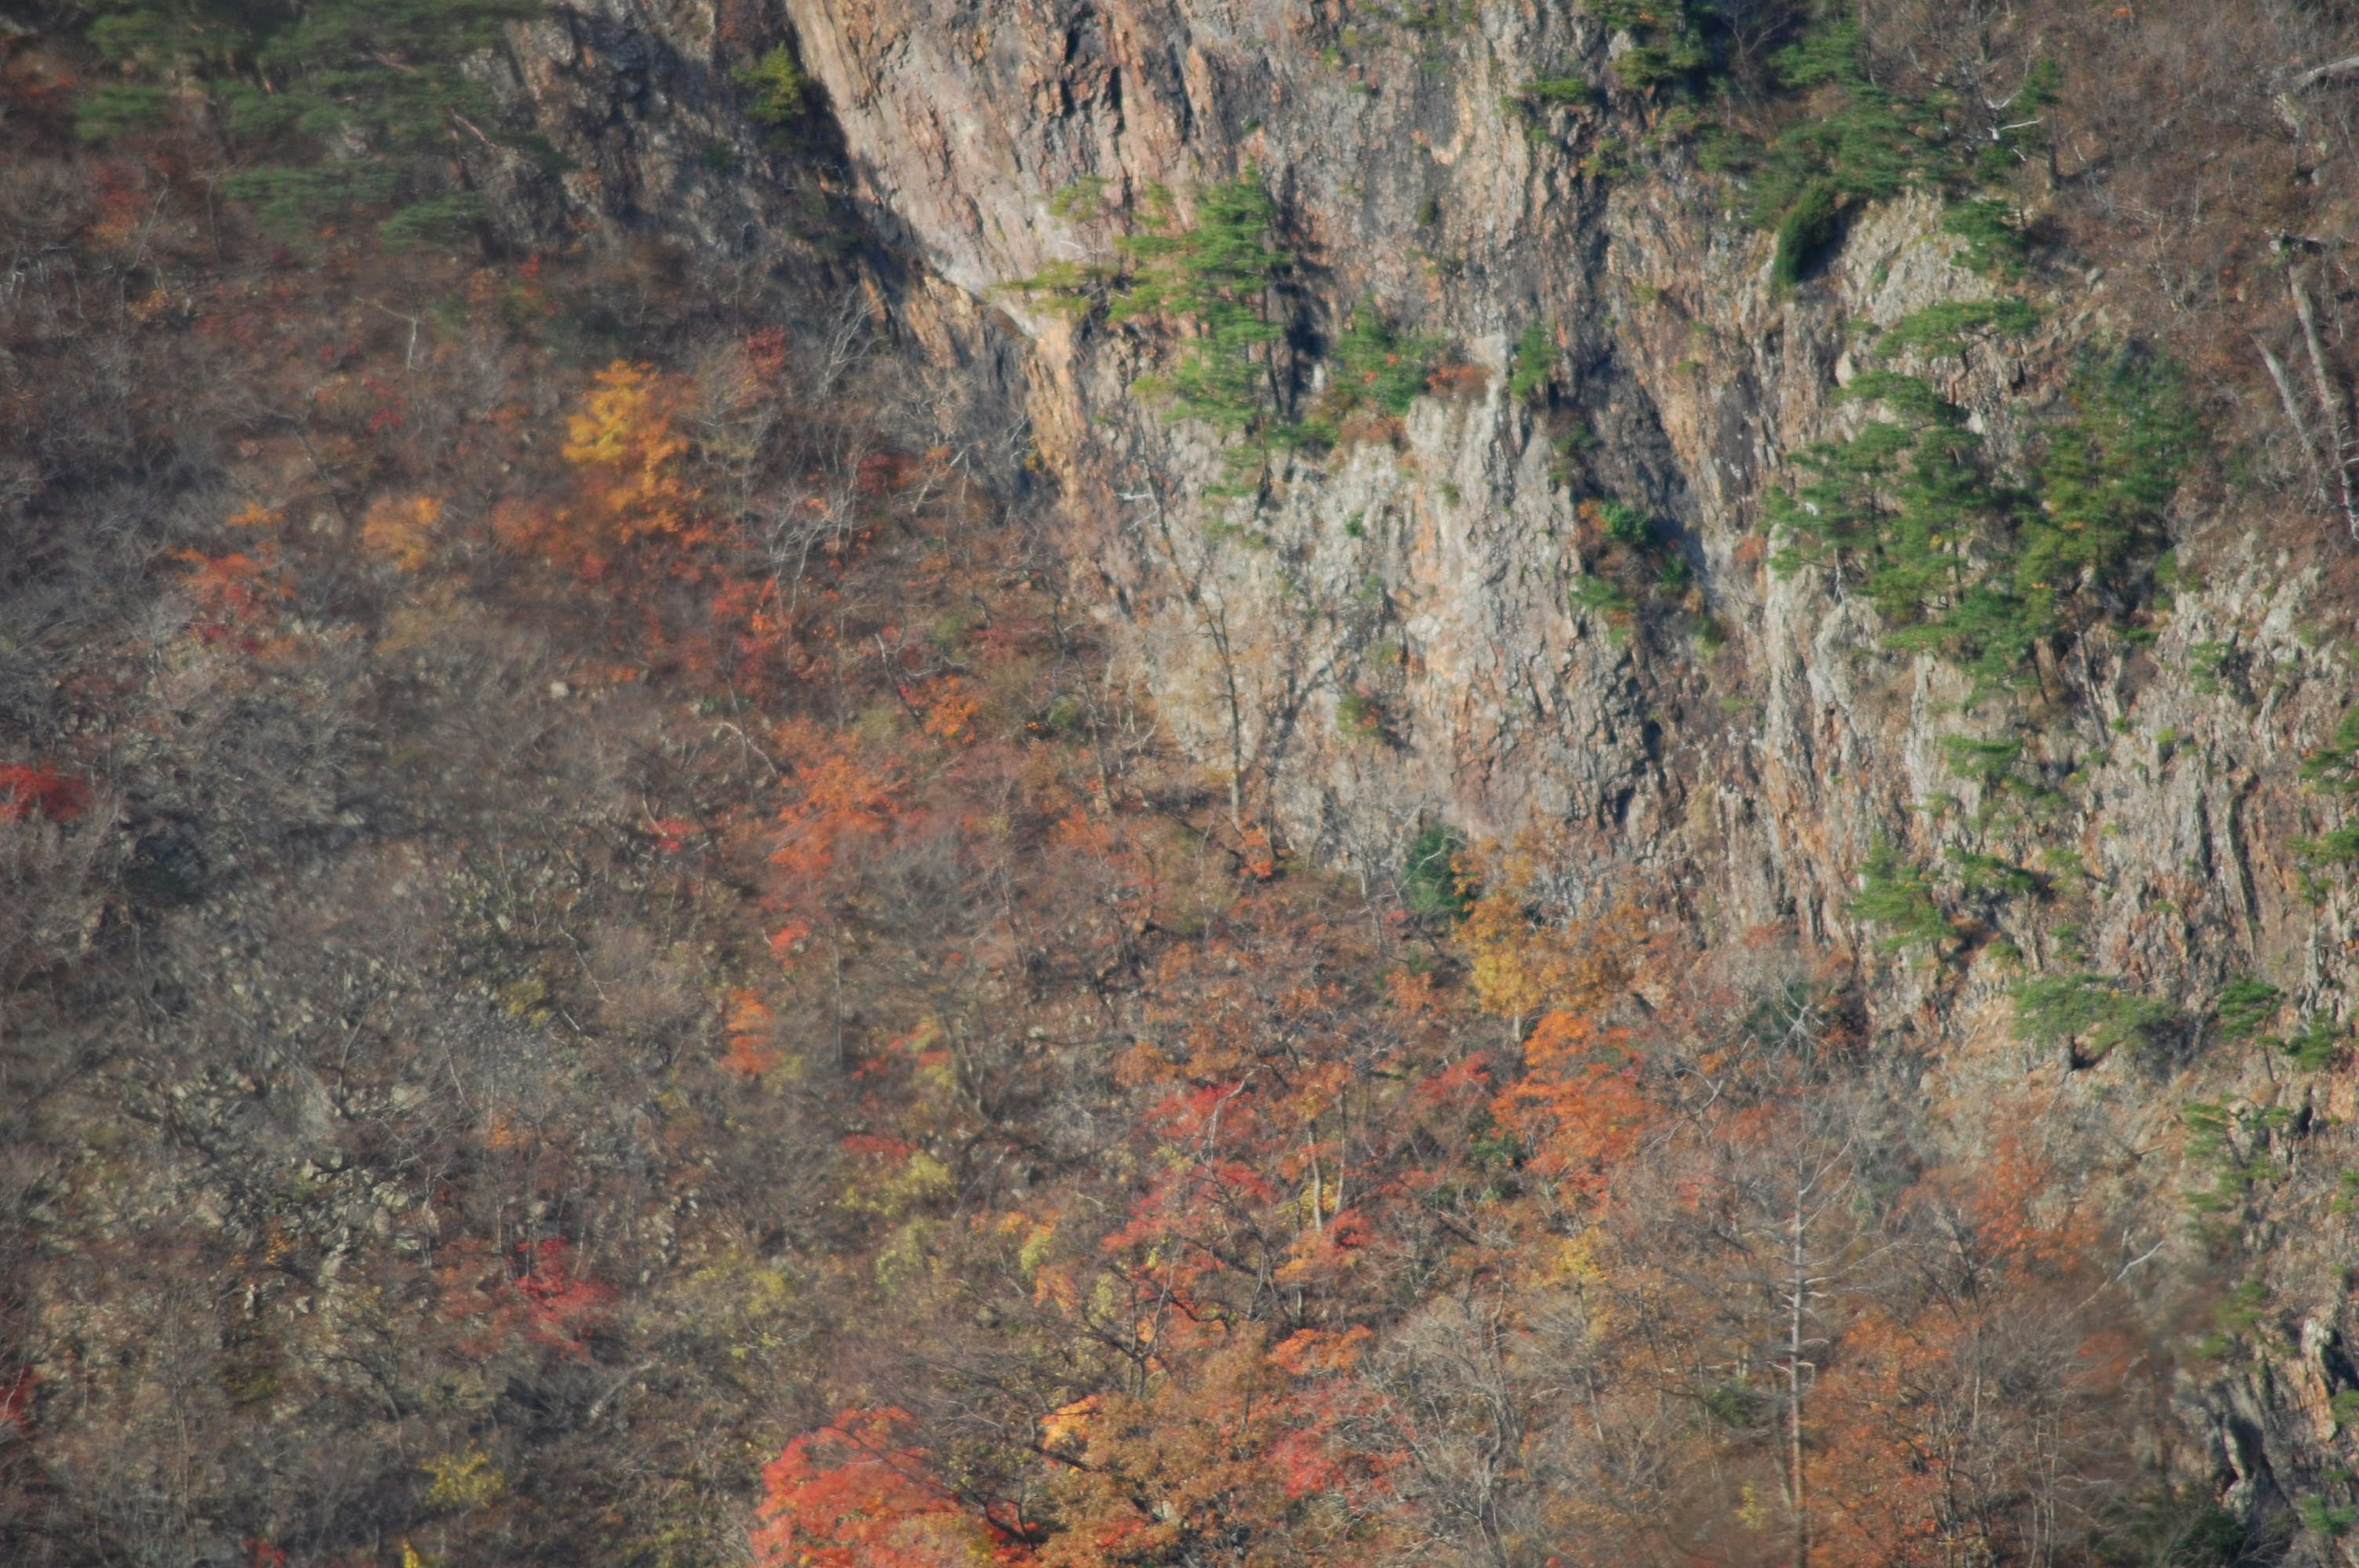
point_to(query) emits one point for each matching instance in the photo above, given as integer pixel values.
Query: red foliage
(234, 595)
(856, 1495)
(559, 1305)
(24, 789)
(17, 1401)
(537, 1297)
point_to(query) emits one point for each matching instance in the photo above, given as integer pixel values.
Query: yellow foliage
(1519, 966)
(742, 1303)
(627, 442)
(253, 514)
(402, 531)
(463, 1481)
(912, 1252)
(1035, 1251)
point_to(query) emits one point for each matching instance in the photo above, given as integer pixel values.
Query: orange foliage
(404, 531)
(841, 801)
(630, 464)
(1578, 1106)
(536, 1296)
(854, 1494)
(1189, 1460)
(951, 711)
(1928, 1460)
(751, 1051)
(559, 1305)
(1519, 965)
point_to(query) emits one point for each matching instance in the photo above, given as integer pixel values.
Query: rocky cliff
(1745, 747)
(1429, 618)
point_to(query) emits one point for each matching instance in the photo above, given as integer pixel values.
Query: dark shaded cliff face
(1418, 625)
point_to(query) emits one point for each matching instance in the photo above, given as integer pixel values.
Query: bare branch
(2332, 71)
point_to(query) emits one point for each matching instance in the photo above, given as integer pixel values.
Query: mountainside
(894, 782)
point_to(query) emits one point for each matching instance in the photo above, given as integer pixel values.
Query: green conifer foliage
(1906, 513)
(1213, 277)
(1898, 897)
(1431, 884)
(781, 96)
(2097, 1012)
(1959, 560)
(1376, 364)
(1535, 361)
(330, 105)
(2107, 475)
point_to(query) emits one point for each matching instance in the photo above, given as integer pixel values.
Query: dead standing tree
(2341, 451)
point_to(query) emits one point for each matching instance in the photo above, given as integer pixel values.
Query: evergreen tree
(329, 106)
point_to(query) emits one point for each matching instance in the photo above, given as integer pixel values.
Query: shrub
(1360, 715)
(2208, 663)
(1898, 897)
(1990, 876)
(437, 221)
(1083, 201)
(781, 95)
(1862, 143)
(2096, 1010)
(2325, 1520)
(1603, 596)
(1989, 764)
(2335, 765)
(1906, 509)
(1667, 41)
(1535, 361)
(2319, 1042)
(1565, 91)
(2246, 1004)
(114, 110)
(1809, 231)
(331, 107)
(1958, 561)
(1945, 328)
(2175, 1529)
(1376, 364)
(1430, 884)
(2106, 475)
(2336, 847)
(1993, 245)
(1626, 525)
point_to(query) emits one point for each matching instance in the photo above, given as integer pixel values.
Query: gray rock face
(1435, 575)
